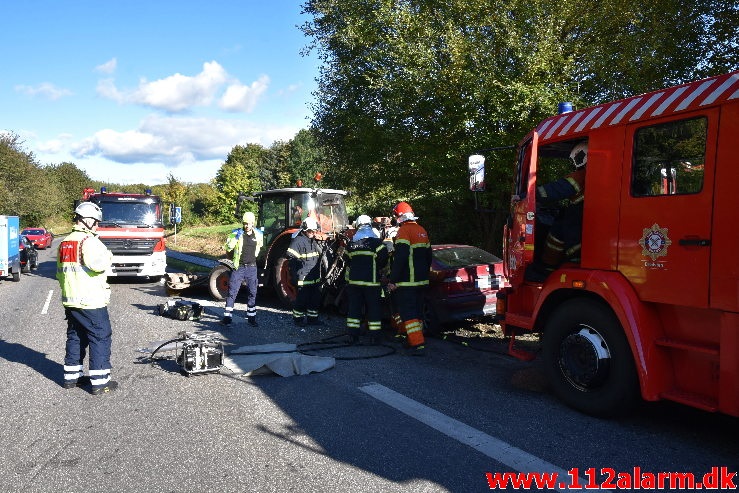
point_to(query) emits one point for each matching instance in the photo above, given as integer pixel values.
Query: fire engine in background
(650, 304)
(133, 231)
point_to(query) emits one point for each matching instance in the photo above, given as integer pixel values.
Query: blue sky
(131, 91)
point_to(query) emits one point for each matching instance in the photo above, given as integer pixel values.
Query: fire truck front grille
(130, 246)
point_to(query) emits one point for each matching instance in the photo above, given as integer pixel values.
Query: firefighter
(304, 256)
(81, 268)
(367, 255)
(563, 240)
(245, 243)
(409, 275)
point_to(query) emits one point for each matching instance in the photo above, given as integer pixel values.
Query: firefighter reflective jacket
(81, 270)
(367, 257)
(235, 241)
(412, 256)
(570, 187)
(303, 256)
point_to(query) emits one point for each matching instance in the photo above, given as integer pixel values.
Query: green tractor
(280, 214)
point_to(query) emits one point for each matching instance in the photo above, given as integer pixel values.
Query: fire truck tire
(284, 288)
(218, 282)
(588, 359)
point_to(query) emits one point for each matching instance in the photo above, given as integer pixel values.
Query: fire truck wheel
(284, 288)
(218, 282)
(588, 359)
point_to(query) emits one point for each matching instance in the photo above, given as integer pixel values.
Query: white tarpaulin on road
(280, 358)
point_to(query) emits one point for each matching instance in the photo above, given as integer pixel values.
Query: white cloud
(175, 93)
(107, 67)
(173, 141)
(242, 98)
(45, 89)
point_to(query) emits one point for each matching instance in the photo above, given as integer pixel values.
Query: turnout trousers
(307, 301)
(409, 303)
(364, 301)
(88, 328)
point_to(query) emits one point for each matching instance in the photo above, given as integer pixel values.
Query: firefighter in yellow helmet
(245, 243)
(81, 268)
(409, 275)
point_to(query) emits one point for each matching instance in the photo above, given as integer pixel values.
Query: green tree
(239, 174)
(25, 189)
(71, 181)
(409, 88)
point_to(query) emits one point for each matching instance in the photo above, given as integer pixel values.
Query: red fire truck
(133, 231)
(649, 303)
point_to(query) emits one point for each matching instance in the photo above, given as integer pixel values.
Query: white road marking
(48, 300)
(496, 449)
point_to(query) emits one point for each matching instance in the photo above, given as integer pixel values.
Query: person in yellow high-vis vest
(81, 270)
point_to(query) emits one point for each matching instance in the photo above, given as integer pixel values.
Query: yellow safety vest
(81, 270)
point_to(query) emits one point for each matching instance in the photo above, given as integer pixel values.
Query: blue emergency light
(564, 107)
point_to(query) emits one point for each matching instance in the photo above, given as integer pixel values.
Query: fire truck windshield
(142, 213)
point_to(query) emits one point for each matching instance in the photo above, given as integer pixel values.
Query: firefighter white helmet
(88, 209)
(310, 224)
(579, 155)
(364, 220)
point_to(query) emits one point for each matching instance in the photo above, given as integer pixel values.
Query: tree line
(44, 194)
(407, 89)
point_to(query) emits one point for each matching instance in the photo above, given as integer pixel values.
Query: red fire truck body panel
(659, 247)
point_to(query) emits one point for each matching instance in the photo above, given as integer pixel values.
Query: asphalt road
(395, 423)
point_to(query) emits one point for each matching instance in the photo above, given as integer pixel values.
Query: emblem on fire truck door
(654, 242)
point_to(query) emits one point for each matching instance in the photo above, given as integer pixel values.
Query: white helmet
(579, 155)
(310, 224)
(363, 220)
(88, 209)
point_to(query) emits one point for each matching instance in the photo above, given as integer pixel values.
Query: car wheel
(588, 359)
(218, 282)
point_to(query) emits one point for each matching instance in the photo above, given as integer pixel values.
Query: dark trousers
(408, 301)
(364, 301)
(244, 274)
(88, 328)
(307, 301)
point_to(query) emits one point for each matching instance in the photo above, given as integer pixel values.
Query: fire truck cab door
(667, 209)
(520, 228)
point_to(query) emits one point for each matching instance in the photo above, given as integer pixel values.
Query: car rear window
(457, 257)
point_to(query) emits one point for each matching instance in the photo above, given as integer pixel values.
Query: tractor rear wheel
(218, 282)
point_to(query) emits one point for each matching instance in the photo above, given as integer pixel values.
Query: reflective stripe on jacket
(412, 256)
(81, 270)
(303, 256)
(367, 257)
(235, 241)
(570, 187)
